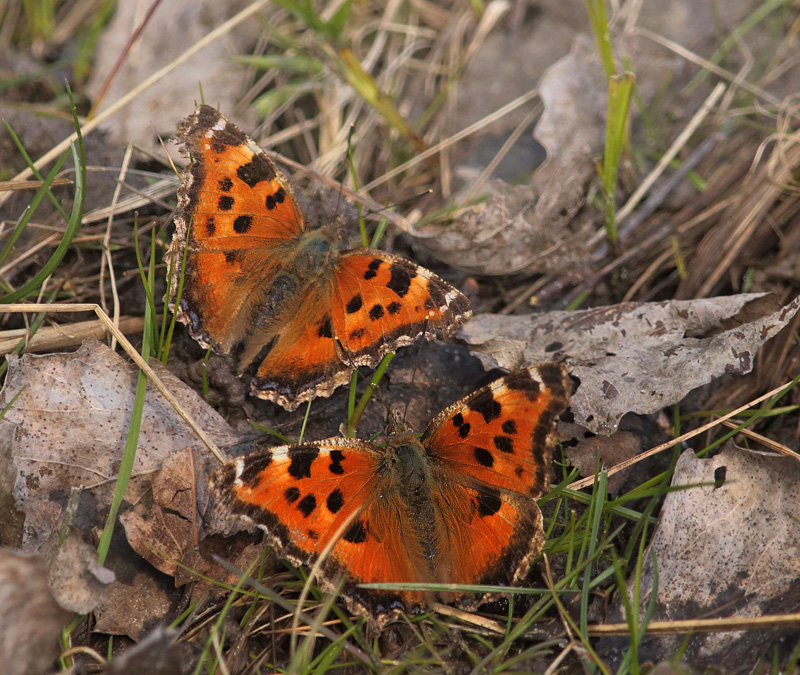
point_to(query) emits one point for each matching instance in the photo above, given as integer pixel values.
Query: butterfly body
(253, 279)
(456, 506)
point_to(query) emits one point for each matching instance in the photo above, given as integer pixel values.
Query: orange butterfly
(455, 506)
(296, 313)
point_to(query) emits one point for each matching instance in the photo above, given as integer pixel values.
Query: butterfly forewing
(235, 212)
(381, 302)
(300, 494)
(502, 435)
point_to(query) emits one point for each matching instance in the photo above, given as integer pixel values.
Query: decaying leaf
(68, 429)
(633, 357)
(532, 227)
(133, 604)
(77, 579)
(170, 527)
(524, 228)
(32, 619)
(600, 452)
(158, 653)
(726, 547)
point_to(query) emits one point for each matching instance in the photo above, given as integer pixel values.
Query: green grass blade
(602, 35)
(132, 440)
(355, 418)
(620, 88)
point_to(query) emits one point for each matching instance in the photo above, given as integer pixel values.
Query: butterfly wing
(304, 495)
(242, 238)
(236, 216)
(298, 356)
(374, 303)
(490, 456)
(382, 302)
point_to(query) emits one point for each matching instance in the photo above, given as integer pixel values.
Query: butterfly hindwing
(381, 302)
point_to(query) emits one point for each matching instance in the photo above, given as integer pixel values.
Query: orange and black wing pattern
(491, 456)
(236, 218)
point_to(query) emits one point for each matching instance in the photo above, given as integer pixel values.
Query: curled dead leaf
(633, 357)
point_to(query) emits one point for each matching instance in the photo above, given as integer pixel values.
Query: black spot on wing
(225, 203)
(400, 278)
(258, 169)
(292, 494)
(458, 423)
(372, 268)
(393, 307)
(483, 457)
(358, 333)
(489, 501)
(335, 501)
(510, 427)
(376, 312)
(275, 198)
(307, 505)
(356, 533)
(354, 304)
(503, 444)
(242, 224)
(210, 226)
(485, 405)
(225, 184)
(336, 467)
(301, 458)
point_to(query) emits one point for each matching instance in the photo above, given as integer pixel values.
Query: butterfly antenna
(414, 371)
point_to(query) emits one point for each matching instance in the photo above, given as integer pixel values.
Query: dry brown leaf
(531, 227)
(32, 619)
(169, 527)
(633, 357)
(77, 579)
(605, 451)
(68, 429)
(726, 548)
(133, 605)
(525, 227)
